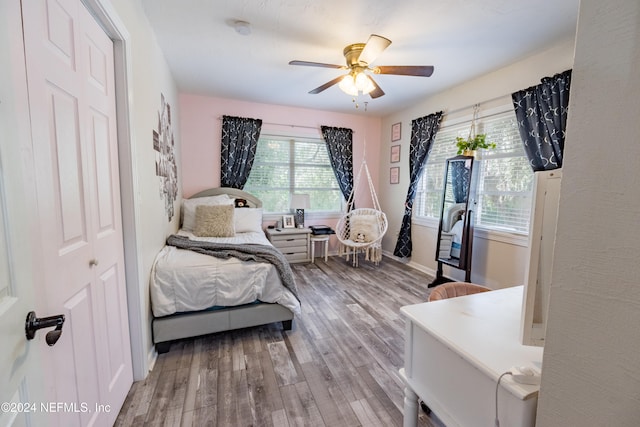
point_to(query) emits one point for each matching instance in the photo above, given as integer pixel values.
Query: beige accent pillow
(214, 221)
(189, 208)
(364, 228)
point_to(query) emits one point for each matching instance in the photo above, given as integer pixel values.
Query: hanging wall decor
(166, 167)
(395, 154)
(396, 130)
(394, 175)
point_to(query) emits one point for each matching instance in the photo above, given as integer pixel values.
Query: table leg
(410, 408)
(326, 250)
(313, 252)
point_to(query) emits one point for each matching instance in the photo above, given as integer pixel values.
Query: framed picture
(396, 132)
(395, 153)
(394, 175)
(287, 221)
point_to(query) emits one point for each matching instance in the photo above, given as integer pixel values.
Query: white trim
(108, 18)
(152, 358)
(511, 238)
(313, 216)
(410, 263)
(425, 221)
(516, 239)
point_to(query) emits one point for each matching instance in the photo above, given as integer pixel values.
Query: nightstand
(292, 242)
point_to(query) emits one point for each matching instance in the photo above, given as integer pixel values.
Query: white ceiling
(463, 39)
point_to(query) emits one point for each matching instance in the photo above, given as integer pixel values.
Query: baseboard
(152, 357)
(422, 268)
(410, 263)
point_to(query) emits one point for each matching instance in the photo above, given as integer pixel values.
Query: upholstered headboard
(235, 193)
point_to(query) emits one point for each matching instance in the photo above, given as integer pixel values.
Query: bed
(194, 293)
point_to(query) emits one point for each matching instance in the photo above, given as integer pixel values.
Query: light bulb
(348, 85)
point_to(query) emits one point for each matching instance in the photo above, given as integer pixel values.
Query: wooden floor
(337, 367)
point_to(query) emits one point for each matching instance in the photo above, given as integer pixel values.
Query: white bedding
(183, 280)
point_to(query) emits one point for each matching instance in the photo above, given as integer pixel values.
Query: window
(286, 165)
(505, 179)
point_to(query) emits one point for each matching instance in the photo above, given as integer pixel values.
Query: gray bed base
(188, 325)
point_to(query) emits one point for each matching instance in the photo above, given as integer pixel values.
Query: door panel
(79, 348)
(20, 360)
(102, 165)
(59, 23)
(99, 84)
(66, 170)
(70, 61)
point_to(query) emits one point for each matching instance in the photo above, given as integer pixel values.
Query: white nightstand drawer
(293, 243)
(285, 241)
(296, 257)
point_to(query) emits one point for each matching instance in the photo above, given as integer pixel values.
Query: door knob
(93, 263)
(33, 323)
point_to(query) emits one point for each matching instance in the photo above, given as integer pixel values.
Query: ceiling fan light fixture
(364, 83)
(348, 85)
(355, 83)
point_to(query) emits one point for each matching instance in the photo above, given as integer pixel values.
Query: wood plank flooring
(337, 367)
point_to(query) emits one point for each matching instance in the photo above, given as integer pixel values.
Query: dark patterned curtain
(460, 176)
(542, 119)
(340, 147)
(239, 142)
(423, 133)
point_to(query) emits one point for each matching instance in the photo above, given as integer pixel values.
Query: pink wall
(201, 119)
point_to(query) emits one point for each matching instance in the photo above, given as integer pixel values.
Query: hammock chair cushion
(364, 228)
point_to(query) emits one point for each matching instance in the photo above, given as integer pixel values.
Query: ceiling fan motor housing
(352, 53)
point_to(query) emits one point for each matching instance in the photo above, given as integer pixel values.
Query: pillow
(214, 221)
(189, 208)
(364, 228)
(247, 220)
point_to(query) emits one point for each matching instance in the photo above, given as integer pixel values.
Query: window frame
(461, 126)
(291, 167)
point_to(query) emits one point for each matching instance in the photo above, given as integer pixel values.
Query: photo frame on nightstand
(288, 221)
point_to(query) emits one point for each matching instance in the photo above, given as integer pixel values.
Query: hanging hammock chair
(362, 229)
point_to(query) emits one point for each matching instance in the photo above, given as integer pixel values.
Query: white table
(320, 238)
(455, 350)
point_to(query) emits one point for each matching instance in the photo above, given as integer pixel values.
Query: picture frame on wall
(395, 154)
(396, 132)
(288, 221)
(394, 175)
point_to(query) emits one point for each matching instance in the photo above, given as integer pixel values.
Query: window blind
(286, 165)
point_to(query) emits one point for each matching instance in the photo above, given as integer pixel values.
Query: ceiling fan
(359, 57)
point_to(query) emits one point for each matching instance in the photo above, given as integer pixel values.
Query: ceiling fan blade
(377, 92)
(374, 47)
(326, 85)
(405, 70)
(316, 64)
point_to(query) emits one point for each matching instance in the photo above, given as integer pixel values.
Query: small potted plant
(468, 146)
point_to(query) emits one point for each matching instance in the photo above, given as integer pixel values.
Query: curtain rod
(293, 126)
(285, 124)
(457, 110)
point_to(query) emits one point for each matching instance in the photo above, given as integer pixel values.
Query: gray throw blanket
(257, 253)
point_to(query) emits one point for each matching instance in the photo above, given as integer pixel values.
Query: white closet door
(72, 104)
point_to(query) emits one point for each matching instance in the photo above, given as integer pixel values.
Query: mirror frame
(463, 262)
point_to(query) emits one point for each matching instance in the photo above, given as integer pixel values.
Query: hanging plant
(473, 142)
